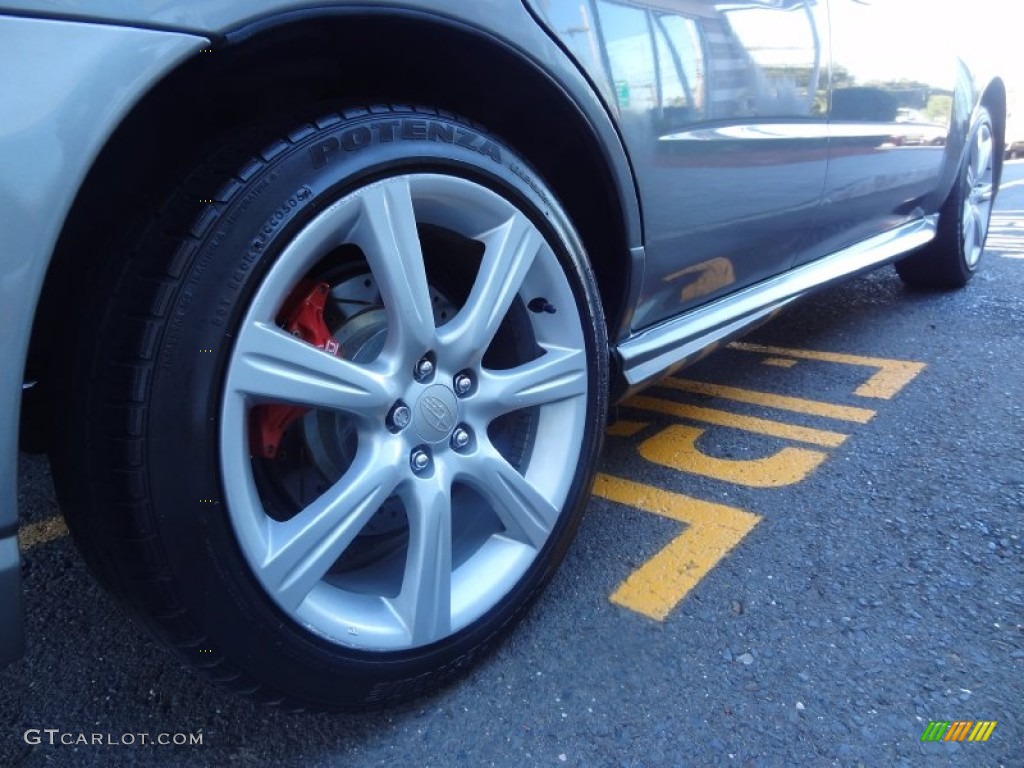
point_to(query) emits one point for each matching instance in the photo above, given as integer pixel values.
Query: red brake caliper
(303, 314)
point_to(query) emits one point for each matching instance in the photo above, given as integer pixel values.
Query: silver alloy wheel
(444, 578)
(978, 200)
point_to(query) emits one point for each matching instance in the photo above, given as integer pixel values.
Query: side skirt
(662, 349)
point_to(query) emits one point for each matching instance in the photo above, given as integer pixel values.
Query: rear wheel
(952, 258)
(340, 418)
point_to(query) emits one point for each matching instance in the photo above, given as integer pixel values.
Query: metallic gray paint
(637, 260)
(505, 21)
(219, 16)
(893, 122)
(766, 158)
(725, 121)
(58, 112)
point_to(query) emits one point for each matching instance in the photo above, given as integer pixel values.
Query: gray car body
(822, 192)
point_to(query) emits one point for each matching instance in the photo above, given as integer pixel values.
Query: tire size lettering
(277, 218)
(250, 197)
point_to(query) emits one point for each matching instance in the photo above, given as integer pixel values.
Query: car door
(722, 106)
(894, 80)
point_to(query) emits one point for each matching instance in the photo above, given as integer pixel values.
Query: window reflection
(630, 52)
(910, 84)
(720, 61)
(680, 68)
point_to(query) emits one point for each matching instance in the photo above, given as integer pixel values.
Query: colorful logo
(958, 730)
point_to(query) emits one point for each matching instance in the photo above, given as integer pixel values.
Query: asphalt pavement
(803, 550)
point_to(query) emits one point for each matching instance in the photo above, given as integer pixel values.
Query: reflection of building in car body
(918, 131)
(710, 61)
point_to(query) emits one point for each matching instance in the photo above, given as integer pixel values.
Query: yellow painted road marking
(982, 730)
(662, 582)
(42, 532)
(658, 585)
(783, 402)
(737, 421)
(892, 375)
(622, 428)
(779, 362)
(676, 447)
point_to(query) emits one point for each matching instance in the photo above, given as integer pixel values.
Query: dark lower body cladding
(12, 638)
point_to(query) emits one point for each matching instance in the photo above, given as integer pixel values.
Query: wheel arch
(993, 98)
(287, 63)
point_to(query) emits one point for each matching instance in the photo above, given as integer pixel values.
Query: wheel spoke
(425, 602)
(528, 516)
(979, 196)
(981, 193)
(274, 365)
(302, 549)
(981, 224)
(509, 252)
(387, 233)
(355, 566)
(560, 373)
(982, 154)
(974, 235)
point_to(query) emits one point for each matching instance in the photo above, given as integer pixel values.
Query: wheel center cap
(436, 413)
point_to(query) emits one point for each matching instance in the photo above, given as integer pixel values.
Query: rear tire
(334, 414)
(952, 258)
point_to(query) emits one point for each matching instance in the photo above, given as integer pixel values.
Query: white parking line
(1006, 233)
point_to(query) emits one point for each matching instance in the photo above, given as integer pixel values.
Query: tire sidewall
(236, 242)
(955, 212)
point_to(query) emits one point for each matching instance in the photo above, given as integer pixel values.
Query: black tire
(952, 258)
(138, 463)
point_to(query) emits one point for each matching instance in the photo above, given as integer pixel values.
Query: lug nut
(424, 368)
(460, 438)
(463, 384)
(401, 415)
(419, 460)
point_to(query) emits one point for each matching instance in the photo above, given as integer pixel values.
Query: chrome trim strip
(652, 353)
